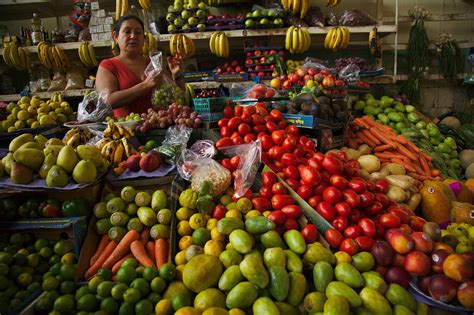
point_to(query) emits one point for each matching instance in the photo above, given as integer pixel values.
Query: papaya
(461, 212)
(436, 198)
(461, 191)
(470, 184)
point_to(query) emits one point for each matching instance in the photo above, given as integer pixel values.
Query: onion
(204, 148)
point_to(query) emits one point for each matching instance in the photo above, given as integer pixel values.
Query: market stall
(273, 182)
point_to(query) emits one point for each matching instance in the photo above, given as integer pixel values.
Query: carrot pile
(390, 147)
(111, 255)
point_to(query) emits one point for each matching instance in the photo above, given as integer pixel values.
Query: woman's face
(130, 37)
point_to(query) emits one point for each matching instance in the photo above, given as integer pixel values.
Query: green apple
(249, 23)
(193, 21)
(193, 3)
(171, 28)
(264, 21)
(248, 15)
(170, 17)
(178, 7)
(279, 22)
(202, 5)
(178, 21)
(271, 13)
(186, 27)
(257, 13)
(201, 13)
(201, 26)
(185, 14)
(170, 8)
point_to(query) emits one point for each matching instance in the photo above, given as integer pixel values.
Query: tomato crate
(210, 109)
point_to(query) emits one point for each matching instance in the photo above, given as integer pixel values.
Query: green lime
(105, 288)
(126, 274)
(67, 287)
(154, 298)
(14, 303)
(33, 259)
(88, 303)
(105, 273)
(144, 307)
(3, 269)
(130, 262)
(151, 144)
(131, 295)
(11, 291)
(63, 247)
(168, 271)
(42, 267)
(41, 243)
(140, 270)
(5, 258)
(53, 295)
(118, 290)
(47, 275)
(17, 238)
(43, 305)
(68, 272)
(201, 236)
(109, 305)
(149, 273)
(126, 309)
(50, 284)
(158, 285)
(24, 280)
(64, 303)
(94, 283)
(142, 285)
(15, 271)
(56, 269)
(69, 258)
(33, 287)
(81, 292)
(54, 260)
(181, 300)
(22, 295)
(19, 259)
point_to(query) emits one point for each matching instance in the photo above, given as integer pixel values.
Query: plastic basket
(210, 109)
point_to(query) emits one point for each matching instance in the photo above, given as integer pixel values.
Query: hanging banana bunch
(296, 7)
(121, 8)
(150, 45)
(87, 55)
(297, 39)
(181, 44)
(145, 4)
(374, 43)
(219, 44)
(338, 37)
(332, 3)
(16, 57)
(53, 57)
(190, 94)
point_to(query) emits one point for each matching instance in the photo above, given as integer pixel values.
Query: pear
(20, 174)
(56, 177)
(32, 158)
(7, 162)
(40, 140)
(49, 161)
(84, 172)
(67, 159)
(19, 141)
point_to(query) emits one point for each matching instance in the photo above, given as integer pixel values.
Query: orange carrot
(104, 255)
(402, 139)
(145, 235)
(418, 168)
(427, 157)
(360, 123)
(122, 248)
(424, 165)
(168, 257)
(139, 252)
(413, 147)
(161, 252)
(435, 172)
(404, 163)
(383, 148)
(388, 155)
(419, 176)
(102, 244)
(412, 156)
(369, 121)
(381, 135)
(150, 249)
(119, 263)
(369, 135)
(366, 140)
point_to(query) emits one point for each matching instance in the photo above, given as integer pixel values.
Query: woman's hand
(175, 63)
(151, 82)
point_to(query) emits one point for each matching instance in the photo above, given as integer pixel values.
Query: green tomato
(451, 142)
(421, 125)
(444, 148)
(410, 108)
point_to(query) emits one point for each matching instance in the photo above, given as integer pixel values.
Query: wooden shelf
(70, 46)
(45, 95)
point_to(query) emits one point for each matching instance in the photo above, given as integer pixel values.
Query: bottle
(36, 34)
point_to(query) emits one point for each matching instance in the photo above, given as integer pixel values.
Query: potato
(364, 174)
(396, 194)
(353, 154)
(364, 149)
(396, 169)
(369, 162)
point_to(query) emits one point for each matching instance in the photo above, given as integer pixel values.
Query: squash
(451, 121)
(466, 157)
(461, 212)
(436, 198)
(463, 194)
(470, 171)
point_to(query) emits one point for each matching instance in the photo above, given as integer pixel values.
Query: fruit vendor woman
(124, 75)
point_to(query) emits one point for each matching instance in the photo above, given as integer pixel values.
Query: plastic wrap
(155, 65)
(314, 17)
(59, 82)
(250, 158)
(296, 21)
(75, 79)
(94, 107)
(209, 170)
(349, 74)
(355, 17)
(176, 140)
(310, 62)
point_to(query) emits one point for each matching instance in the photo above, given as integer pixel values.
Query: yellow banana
(54, 58)
(173, 44)
(124, 8)
(14, 57)
(22, 56)
(224, 46)
(296, 6)
(296, 39)
(6, 54)
(118, 9)
(373, 41)
(337, 42)
(347, 37)
(47, 56)
(27, 58)
(305, 4)
(63, 58)
(118, 153)
(327, 39)
(332, 45)
(211, 43)
(307, 37)
(288, 38)
(92, 55)
(285, 4)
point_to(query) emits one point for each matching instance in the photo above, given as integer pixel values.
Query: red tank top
(126, 79)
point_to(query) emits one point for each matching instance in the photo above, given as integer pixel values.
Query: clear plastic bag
(59, 82)
(213, 172)
(296, 21)
(355, 17)
(155, 65)
(176, 140)
(94, 107)
(250, 158)
(349, 74)
(75, 78)
(310, 62)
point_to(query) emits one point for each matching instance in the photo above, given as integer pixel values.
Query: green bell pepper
(399, 107)
(413, 117)
(451, 142)
(421, 125)
(444, 148)
(410, 108)
(205, 204)
(77, 207)
(432, 130)
(383, 118)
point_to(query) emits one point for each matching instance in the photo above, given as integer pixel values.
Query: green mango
(316, 252)
(274, 257)
(253, 270)
(322, 275)
(402, 310)
(348, 274)
(287, 309)
(279, 283)
(230, 257)
(226, 226)
(295, 241)
(297, 288)
(241, 296)
(336, 305)
(230, 278)
(259, 225)
(375, 281)
(314, 302)
(398, 295)
(241, 241)
(265, 306)
(340, 288)
(375, 302)
(272, 239)
(293, 262)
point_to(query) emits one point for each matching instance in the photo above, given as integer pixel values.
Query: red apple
(133, 163)
(442, 288)
(312, 71)
(397, 275)
(466, 294)
(401, 242)
(417, 263)
(438, 257)
(422, 242)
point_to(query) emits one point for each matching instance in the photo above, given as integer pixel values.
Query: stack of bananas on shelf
(332, 3)
(115, 146)
(121, 8)
(87, 55)
(189, 94)
(116, 131)
(17, 57)
(296, 7)
(77, 136)
(219, 44)
(297, 39)
(338, 37)
(374, 43)
(182, 44)
(215, 3)
(150, 45)
(52, 56)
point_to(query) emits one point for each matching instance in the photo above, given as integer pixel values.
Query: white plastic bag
(94, 107)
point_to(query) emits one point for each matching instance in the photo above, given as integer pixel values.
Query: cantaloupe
(466, 157)
(470, 171)
(451, 121)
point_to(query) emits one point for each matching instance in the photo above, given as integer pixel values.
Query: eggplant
(306, 107)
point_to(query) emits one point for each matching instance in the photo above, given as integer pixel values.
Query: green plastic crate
(210, 109)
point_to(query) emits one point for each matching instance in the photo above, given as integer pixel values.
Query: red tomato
(326, 210)
(382, 185)
(340, 223)
(271, 126)
(249, 138)
(276, 115)
(310, 176)
(234, 134)
(278, 136)
(235, 160)
(406, 228)
(279, 201)
(293, 183)
(289, 159)
(338, 181)
(238, 110)
(282, 124)
(357, 184)
(332, 195)
(416, 223)
(259, 129)
(218, 212)
(269, 179)
(310, 146)
(225, 132)
(228, 112)
(248, 194)
(269, 118)
(319, 156)
(402, 215)
(333, 165)
(383, 199)
(223, 122)
(238, 140)
(244, 129)
(342, 208)
(389, 220)
(234, 122)
(289, 143)
(349, 171)
(355, 216)
(227, 164)
(368, 227)
(277, 216)
(305, 192)
(371, 186)
(290, 224)
(333, 237)
(266, 142)
(366, 199)
(246, 118)
(281, 175)
(223, 142)
(280, 165)
(352, 231)
(303, 140)
(292, 211)
(299, 152)
(374, 209)
(365, 243)
(265, 192)
(310, 233)
(351, 197)
(380, 230)
(349, 246)
(303, 161)
(291, 172)
(314, 201)
(341, 155)
(257, 120)
(261, 204)
(249, 110)
(292, 130)
(318, 190)
(315, 163)
(276, 153)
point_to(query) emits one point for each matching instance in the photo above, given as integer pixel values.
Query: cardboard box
(93, 21)
(105, 36)
(93, 29)
(101, 13)
(100, 29)
(95, 6)
(107, 28)
(109, 20)
(95, 37)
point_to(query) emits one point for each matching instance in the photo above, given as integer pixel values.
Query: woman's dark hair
(118, 25)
